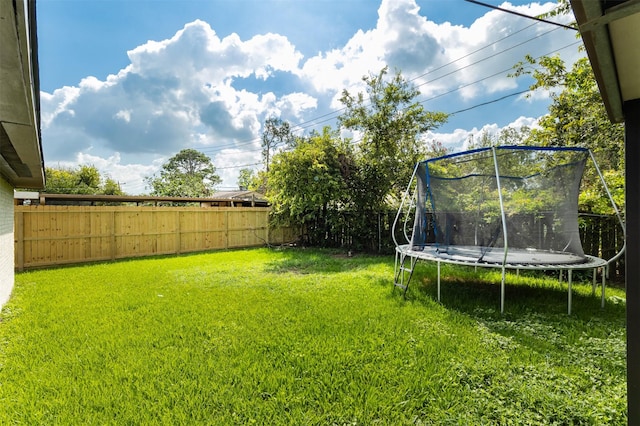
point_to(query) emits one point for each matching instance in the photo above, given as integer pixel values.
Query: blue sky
(126, 84)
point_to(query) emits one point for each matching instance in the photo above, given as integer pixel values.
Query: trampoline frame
(405, 252)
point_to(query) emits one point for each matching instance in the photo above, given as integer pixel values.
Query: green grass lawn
(304, 337)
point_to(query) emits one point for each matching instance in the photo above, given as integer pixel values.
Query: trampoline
(508, 207)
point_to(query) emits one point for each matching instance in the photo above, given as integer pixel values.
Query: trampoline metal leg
(593, 284)
(569, 296)
(438, 281)
(504, 271)
(604, 276)
(395, 269)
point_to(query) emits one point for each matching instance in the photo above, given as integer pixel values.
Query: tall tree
(391, 121)
(506, 136)
(276, 133)
(189, 173)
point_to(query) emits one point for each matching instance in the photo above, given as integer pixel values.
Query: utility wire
(333, 114)
(513, 12)
(490, 102)
(474, 52)
(487, 58)
(492, 75)
(355, 141)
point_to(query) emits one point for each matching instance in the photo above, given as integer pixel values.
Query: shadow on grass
(324, 261)
(474, 293)
(535, 313)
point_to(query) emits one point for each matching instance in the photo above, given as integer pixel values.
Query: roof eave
(21, 160)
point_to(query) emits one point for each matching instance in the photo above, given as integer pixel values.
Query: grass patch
(303, 337)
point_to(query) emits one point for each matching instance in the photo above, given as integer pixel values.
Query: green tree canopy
(307, 184)
(391, 121)
(577, 117)
(189, 173)
(248, 180)
(327, 184)
(83, 179)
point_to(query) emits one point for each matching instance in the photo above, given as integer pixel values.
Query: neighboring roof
(82, 199)
(610, 30)
(21, 161)
(241, 195)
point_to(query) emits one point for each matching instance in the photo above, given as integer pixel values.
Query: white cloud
(459, 139)
(59, 102)
(130, 176)
(124, 114)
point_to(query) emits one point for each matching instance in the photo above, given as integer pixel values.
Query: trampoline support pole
(504, 227)
(569, 274)
(504, 272)
(593, 284)
(438, 281)
(604, 276)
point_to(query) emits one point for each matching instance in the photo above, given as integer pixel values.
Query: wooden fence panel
(203, 230)
(249, 228)
(54, 235)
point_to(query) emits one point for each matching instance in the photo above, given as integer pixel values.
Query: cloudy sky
(126, 84)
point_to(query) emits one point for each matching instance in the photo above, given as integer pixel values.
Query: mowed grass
(304, 337)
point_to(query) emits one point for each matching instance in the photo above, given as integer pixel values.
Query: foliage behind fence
(601, 235)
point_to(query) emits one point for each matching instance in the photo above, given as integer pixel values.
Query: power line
(492, 75)
(488, 57)
(490, 102)
(513, 12)
(355, 141)
(334, 114)
(237, 167)
(473, 53)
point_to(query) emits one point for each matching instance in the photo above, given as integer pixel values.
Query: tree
(277, 133)
(307, 185)
(436, 149)
(81, 180)
(248, 180)
(577, 117)
(189, 173)
(391, 122)
(111, 187)
(506, 136)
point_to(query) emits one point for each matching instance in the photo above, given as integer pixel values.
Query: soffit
(611, 34)
(20, 149)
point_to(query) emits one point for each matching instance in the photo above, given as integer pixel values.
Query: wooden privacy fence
(55, 235)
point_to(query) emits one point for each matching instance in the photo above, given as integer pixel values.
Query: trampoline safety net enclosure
(509, 207)
(520, 198)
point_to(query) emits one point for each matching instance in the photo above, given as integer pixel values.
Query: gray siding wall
(7, 277)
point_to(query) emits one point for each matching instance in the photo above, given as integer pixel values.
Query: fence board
(54, 235)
